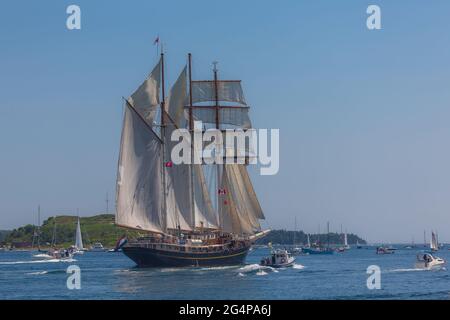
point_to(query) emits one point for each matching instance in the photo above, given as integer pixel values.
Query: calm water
(113, 276)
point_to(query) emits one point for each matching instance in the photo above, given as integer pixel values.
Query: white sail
(308, 240)
(433, 242)
(177, 100)
(230, 90)
(345, 239)
(146, 98)
(205, 215)
(78, 238)
(180, 175)
(139, 193)
(229, 218)
(243, 211)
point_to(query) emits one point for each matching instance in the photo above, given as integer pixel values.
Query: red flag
(169, 164)
(225, 202)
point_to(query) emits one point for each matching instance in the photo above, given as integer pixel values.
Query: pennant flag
(156, 40)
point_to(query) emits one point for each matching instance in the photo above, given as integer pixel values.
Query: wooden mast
(217, 107)
(191, 130)
(163, 170)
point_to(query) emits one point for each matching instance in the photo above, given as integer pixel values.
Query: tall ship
(188, 214)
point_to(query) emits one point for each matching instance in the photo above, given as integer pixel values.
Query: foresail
(139, 192)
(240, 208)
(146, 98)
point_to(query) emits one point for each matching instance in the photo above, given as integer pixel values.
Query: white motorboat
(385, 250)
(278, 259)
(97, 247)
(428, 261)
(58, 254)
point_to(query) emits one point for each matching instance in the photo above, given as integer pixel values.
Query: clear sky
(363, 115)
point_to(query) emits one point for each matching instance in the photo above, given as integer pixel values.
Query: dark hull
(146, 257)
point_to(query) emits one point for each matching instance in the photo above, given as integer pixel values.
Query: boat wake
(36, 261)
(36, 273)
(261, 273)
(406, 270)
(298, 266)
(257, 269)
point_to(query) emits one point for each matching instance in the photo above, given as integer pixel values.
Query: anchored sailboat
(434, 245)
(78, 247)
(194, 214)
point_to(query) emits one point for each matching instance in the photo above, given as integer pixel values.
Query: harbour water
(113, 276)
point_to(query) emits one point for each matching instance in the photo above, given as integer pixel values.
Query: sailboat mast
(163, 101)
(216, 98)
(39, 228)
(191, 130)
(328, 234)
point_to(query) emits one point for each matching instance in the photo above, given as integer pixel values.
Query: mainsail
(139, 192)
(78, 238)
(345, 239)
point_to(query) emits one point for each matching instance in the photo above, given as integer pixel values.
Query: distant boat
(345, 246)
(278, 259)
(318, 250)
(97, 247)
(78, 247)
(385, 250)
(434, 245)
(358, 246)
(429, 261)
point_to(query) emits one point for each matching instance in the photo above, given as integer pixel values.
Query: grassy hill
(100, 228)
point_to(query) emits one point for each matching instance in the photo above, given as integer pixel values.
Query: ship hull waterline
(155, 258)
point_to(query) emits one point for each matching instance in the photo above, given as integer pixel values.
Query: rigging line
(142, 118)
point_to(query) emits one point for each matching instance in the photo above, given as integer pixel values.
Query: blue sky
(363, 115)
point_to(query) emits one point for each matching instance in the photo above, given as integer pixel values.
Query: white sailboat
(78, 247)
(434, 246)
(346, 246)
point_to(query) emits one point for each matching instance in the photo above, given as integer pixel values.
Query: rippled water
(113, 276)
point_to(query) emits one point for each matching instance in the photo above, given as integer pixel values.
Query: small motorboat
(318, 250)
(385, 250)
(278, 259)
(52, 254)
(97, 247)
(428, 261)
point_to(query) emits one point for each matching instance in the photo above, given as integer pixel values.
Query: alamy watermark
(74, 280)
(231, 146)
(374, 279)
